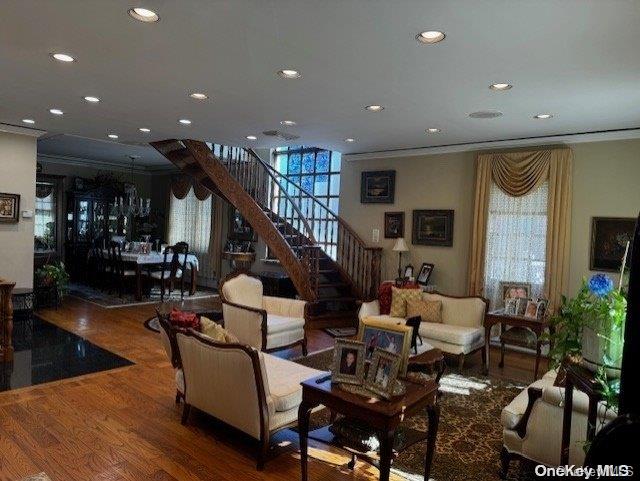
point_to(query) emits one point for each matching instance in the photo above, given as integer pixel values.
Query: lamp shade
(400, 245)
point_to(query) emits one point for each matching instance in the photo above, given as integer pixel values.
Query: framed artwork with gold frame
(390, 337)
(382, 374)
(348, 362)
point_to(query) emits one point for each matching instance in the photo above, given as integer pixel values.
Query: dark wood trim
(534, 393)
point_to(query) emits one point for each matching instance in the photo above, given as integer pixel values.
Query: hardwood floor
(124, 424)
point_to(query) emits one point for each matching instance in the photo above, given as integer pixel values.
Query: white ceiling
(577, 59)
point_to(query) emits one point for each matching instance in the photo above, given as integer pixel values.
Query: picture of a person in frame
(349, 362)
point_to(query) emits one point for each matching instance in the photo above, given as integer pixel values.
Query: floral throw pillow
(399, 299)
(428, 311)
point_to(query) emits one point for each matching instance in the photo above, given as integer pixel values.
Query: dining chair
(172, 269)
(118, 271)
(99, 263)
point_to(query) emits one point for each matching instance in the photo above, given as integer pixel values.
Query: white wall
(18, 176)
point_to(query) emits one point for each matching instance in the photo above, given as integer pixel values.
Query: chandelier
(132, 204)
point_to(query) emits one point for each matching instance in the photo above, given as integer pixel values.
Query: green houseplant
(53, 275)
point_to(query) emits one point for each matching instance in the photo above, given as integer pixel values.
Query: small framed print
(531, 309)
(408, 272)
(348, 362)
(378, 187)
(432, 228)
(394, 338)
(609, 237)
(393, 225)
(514, 290)
(541, 310)
(521, 305)
(425, 273)
(511, 306)
(383, 373)
(9, 208)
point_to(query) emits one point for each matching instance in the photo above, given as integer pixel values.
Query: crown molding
(607, 135)
(114, 166)
(20, 130)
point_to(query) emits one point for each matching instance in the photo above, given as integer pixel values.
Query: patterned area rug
(469, 436)
(111, 301)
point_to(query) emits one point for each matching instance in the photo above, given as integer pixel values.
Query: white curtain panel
(190, 222)
(516, 241)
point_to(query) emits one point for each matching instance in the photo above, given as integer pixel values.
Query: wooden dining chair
(99, 264)
(172, 269)
(117, 270)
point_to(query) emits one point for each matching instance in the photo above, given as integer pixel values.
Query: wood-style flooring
(123, 425)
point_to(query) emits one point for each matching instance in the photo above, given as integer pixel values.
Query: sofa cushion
(459, 335)
(277, 323)
(384, 297)
(284, 378)
(399, 299)
(428, 311)
(460, 311)
(244, 290)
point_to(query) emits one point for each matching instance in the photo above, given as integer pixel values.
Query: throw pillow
(184, 319)
(216, 332)
(429, 311)
(399, 298)
(384, 295)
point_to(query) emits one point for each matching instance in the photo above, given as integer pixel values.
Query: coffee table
(382, 416)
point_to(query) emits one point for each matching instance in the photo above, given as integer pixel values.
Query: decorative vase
(599, 351)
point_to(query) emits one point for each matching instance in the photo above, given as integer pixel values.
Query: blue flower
(600, 285)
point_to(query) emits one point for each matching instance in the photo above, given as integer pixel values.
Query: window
(516, 241)
(45, 228)
(317, 171)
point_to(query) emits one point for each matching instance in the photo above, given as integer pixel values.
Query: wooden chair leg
(505, 460)
(263, 451)
(460, 362)
(185, 413)
(178, 396)
(304, 346)
(501, 364)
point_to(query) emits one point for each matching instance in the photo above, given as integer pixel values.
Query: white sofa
(461, 331)
(532, 424)
(264, 322)
(252, 391)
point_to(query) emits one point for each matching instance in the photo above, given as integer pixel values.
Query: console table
(383, 416)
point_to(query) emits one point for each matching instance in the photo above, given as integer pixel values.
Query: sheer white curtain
(516, 241)
(190, 222)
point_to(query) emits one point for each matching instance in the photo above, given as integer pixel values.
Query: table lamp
(400, 247)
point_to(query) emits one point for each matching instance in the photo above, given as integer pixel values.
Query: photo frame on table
(531, 309)
(432, 228)
(609, 237)
(348, 362)
(378, 187)
(390, 337)
(511, 306)
(408, 271)
(383, 372)
(514, 290)
(9, 208)
(393, 225)
(521, 305)
(541, 310)
(239, 228)
(425, 273)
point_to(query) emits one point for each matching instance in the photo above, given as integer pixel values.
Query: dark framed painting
(393, 225)
(432, 228)
(9, 208)
(609, 237)
(239, 228)
(378, 187)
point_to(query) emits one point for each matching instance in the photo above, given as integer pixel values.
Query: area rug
(109, 300)
(469, 436)
(341, 331)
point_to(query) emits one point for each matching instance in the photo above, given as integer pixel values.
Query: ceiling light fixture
(29, 121)
(252, 137)
(289, 73)
(349, 140)
(432, 130)
(542, 116)
(430, 37)
(374, 108)
(143, 15)
(500, 86)
(112, 136)
(185, 121)
(62, 57)
(198, 96)
(92, 99)
(288, 122)
(144, 129)
(56, 111)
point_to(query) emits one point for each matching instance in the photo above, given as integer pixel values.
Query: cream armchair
(252, 391)
(264, 322)
(168, 340)
(532, 424)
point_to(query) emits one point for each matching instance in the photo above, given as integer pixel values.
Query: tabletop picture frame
(425, 273)
(383, 372)
(348, 362)
(394, 338)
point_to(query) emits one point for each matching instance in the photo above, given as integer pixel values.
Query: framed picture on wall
(378, 187)
(9, 208)
(393, 225)
(609, 237)
(432, 228)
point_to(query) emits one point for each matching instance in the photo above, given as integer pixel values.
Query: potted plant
(50, 275)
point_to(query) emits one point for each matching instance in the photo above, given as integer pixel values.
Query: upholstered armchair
(252, 391)
(168, 340)
(264, 322)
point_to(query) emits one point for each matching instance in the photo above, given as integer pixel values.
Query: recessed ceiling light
(288, 122)
(56, 111)
(198, 96)
(143, 15)
(289, 73)
(93, 100)
(432, 130)
(252, 137)
(349, 140)
(112, 136)
(542, 116)
(185, 121)
(144, 129)
(62, 57)
(29, 121)
(500, 86)
(374, 108)
(430, 36)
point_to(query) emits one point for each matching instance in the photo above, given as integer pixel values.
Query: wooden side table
(499, 317)
(583, 379)
(383, 416)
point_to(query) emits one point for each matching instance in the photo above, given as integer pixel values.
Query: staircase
(329, 264)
